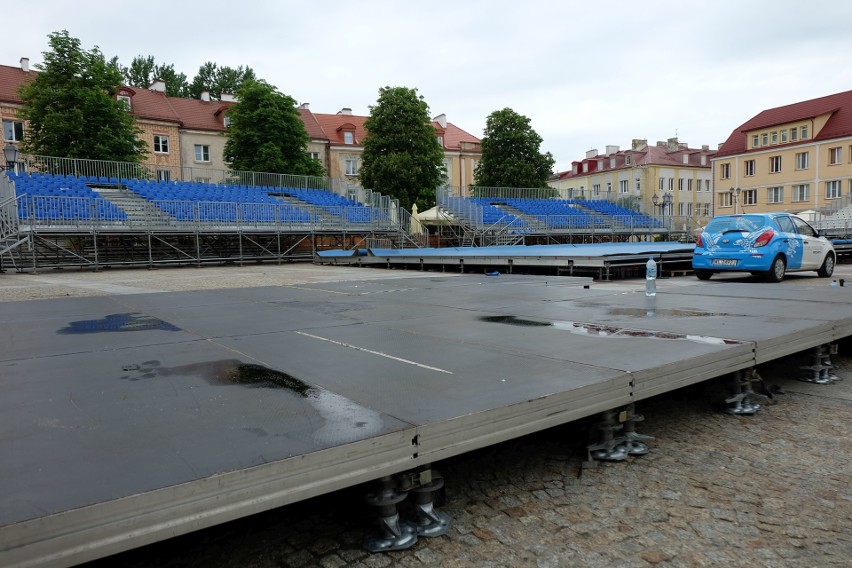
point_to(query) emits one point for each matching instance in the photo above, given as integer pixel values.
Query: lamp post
(735, 197)
(11, 153)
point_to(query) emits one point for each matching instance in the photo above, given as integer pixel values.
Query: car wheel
(827, 268)
(703, 274)
(777, 270)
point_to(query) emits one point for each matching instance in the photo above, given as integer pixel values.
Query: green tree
(217, 80)
(144, 70)
(266, 133)
(402, 157)
(510, 153)
(71, 106)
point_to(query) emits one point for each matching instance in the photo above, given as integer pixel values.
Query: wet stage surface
(120, 412)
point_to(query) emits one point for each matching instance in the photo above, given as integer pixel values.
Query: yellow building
(669, 178)
(792, 158)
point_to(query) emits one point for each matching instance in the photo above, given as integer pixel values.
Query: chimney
(672, 145)
(639, 144)
(705, 147)
(703, 159)
(25, 64)
(228, 98)
(591, 153)
(305, 106)
(205, 96)
(441, 119)
(345, 110)
(158, 85)
(611, 150)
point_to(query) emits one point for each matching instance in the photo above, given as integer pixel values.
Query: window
(835, 155)
(164, 175)
(755, 141)
(689, 184)
(775, 138)
(352, 167)
(161, 144)
(832, 189)
(774, 164)
(725, 171)
(226, 120)
(749, 197)
(680, 184)
(202, 180)
(749, 167)
(671, 184)
(706, 209)
(638, 184)
(800, 192)
(596, 189)
(805, 132)
(202, 153)
(662, 183)
(623, 186)
(801, 160)
(794, 134)
(314, 155)
(764, 139)
(706, 185)
(608, 187)
(349, 137)
(775, 194)
(784, 136)
(628, 159)
(124, 99)
(13, 131)
(726, 199)
(440, 141)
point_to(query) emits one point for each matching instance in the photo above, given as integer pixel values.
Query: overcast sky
(587, 74)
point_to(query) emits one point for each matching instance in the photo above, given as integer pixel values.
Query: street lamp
(735, 197)
(10, 152)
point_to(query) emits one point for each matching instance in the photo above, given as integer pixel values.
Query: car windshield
(748, 223)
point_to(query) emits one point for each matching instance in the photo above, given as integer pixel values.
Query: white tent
(435, 216)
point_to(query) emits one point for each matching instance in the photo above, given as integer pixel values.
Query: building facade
(669, 178)
(186, 137)
(792, 158)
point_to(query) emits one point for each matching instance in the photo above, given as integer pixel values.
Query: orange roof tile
(11, 79)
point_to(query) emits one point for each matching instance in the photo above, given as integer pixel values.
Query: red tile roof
(650, 155)
(312, 127)
(837, 126)
(334, 125)
(11, 79)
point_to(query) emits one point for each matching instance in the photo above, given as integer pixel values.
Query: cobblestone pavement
(773, 489)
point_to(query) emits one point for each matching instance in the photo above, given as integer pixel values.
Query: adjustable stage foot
(744, 399)
(616, 448)
(820, 367)
(394, 533)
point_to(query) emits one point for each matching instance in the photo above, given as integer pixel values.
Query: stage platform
(129, 419)
(601, 260)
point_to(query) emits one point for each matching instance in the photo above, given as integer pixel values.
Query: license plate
(724, 262)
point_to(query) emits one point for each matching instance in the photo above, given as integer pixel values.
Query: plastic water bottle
(650, 278)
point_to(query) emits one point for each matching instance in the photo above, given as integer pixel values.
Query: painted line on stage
(379, 353)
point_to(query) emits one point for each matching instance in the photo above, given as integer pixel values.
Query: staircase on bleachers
(139, 211)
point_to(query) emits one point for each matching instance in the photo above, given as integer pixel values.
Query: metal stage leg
(633, 441)
(820, 368)
(609, 448)
(744, 399)
(394, 533)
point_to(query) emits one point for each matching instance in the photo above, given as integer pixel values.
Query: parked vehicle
(769, 244)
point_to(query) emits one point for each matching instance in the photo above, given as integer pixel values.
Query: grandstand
(58, 213)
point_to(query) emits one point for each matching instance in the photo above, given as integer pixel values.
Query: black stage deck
(130, 419)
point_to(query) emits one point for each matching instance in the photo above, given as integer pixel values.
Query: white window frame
(13, 127)
(804, 132)
(801, 192)
(749, 168)
(794, 134)
(161, 144)
(202, 153)
(725, 171)
(764, 139)
(164, 175)
(314, 155)
(348, 137)
(774, 137)
(835, 155)
(833, 189)
(351, 166)
(748, 197)
(623, 186)
(774, 164)
(775, 194)
(802, 159)
(755, 141)
(784, 136)
(726, 199)
(124, 99)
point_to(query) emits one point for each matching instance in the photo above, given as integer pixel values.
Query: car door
(812, 245)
